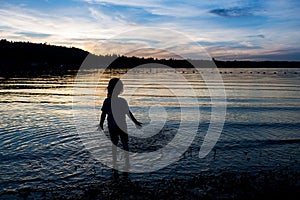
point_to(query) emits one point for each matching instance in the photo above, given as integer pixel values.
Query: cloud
(282, 9)
(135, 3)
(32, 34)
(59, 26)
(155, 7)
(108, 20)
(243, 28)
(277, 55)
(257, 36)
(232, 12)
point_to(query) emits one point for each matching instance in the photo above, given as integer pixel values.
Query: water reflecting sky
(39, 144)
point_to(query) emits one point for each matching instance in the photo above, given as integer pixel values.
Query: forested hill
(25, 58)
(17, 57)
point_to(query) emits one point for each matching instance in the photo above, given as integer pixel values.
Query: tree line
(26, 58)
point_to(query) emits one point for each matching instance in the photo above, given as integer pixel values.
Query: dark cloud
(246, 47)
(278, 55)
(5, 28)
(231, 12)
(229, 45)
(257, 36)
(31, 34)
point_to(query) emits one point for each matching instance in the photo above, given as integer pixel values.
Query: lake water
(41, 148)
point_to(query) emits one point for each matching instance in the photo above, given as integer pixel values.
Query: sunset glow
(228, 30)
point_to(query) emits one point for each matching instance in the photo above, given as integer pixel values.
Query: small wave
(255, 143)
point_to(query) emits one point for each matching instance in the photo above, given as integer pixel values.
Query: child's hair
(115, 87)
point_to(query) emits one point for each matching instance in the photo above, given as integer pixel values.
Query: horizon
(141, 57)
(227, 30)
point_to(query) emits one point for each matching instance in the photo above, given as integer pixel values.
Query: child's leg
(124, 140)
(113, 133)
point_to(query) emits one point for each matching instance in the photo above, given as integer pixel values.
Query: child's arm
(102, 119)
(136, 122)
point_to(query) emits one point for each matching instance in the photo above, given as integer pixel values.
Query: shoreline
(279, 182)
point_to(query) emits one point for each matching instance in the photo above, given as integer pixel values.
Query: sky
(225, 29)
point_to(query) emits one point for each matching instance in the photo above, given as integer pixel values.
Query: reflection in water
(40, 147)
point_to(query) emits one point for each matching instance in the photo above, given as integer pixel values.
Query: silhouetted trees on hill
(21, 57)
(25, 58)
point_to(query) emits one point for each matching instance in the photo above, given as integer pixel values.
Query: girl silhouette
(116, 109)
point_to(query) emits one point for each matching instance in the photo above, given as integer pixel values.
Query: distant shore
(32, 59)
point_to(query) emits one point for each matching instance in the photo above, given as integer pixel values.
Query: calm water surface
(41, 148)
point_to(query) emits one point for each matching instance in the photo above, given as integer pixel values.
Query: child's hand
(138, 125)
(100, 128)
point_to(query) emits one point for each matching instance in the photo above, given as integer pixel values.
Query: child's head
(115, 87)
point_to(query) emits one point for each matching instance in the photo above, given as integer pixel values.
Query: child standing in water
(116, 109)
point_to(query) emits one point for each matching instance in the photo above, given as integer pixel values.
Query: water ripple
(40, 146)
